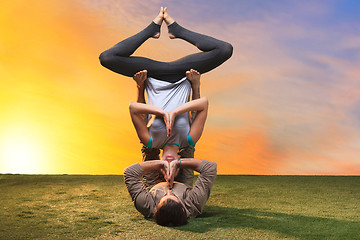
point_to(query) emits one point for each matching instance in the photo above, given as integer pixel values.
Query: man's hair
(170, 213)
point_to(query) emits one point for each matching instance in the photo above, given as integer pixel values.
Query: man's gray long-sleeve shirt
(192, 199)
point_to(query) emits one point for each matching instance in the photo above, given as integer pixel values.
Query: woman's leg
(118, 57)
(214, 51)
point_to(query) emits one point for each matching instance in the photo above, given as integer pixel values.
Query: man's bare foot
(140, 77)
(193, 76)
(168, 20)
(158, 20)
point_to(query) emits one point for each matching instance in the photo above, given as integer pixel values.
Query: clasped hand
(169, 119)
(170, 170)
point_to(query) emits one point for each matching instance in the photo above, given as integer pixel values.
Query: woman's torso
(169, 96)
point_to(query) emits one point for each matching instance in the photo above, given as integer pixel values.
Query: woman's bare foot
(158, 20)
(168, 20)
(140, 77)
(193, 76)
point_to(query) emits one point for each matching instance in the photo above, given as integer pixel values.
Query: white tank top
(169, 96)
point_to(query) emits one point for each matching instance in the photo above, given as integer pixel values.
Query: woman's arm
(141, 94)
(137, 111)
(201, 107)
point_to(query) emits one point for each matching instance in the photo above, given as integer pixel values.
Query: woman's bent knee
(226, 50)
(105, 59)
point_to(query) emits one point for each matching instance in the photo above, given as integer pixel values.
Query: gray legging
(214, 53)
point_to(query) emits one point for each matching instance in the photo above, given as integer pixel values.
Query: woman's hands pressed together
(167, 121)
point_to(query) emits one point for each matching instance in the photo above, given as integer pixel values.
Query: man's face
(169, 195)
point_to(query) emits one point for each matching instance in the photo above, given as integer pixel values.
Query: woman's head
(170, 153)
(170, 212)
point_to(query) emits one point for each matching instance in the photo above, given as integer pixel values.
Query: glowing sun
(21, 153)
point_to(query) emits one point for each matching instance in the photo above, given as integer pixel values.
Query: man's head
(170, 212)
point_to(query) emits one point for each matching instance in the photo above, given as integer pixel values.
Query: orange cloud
(273, 110)
(239, 152)
(55, 85)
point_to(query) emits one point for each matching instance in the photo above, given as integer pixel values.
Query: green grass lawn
(240, 207)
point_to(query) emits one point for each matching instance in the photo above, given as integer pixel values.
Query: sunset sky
(287, 102)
